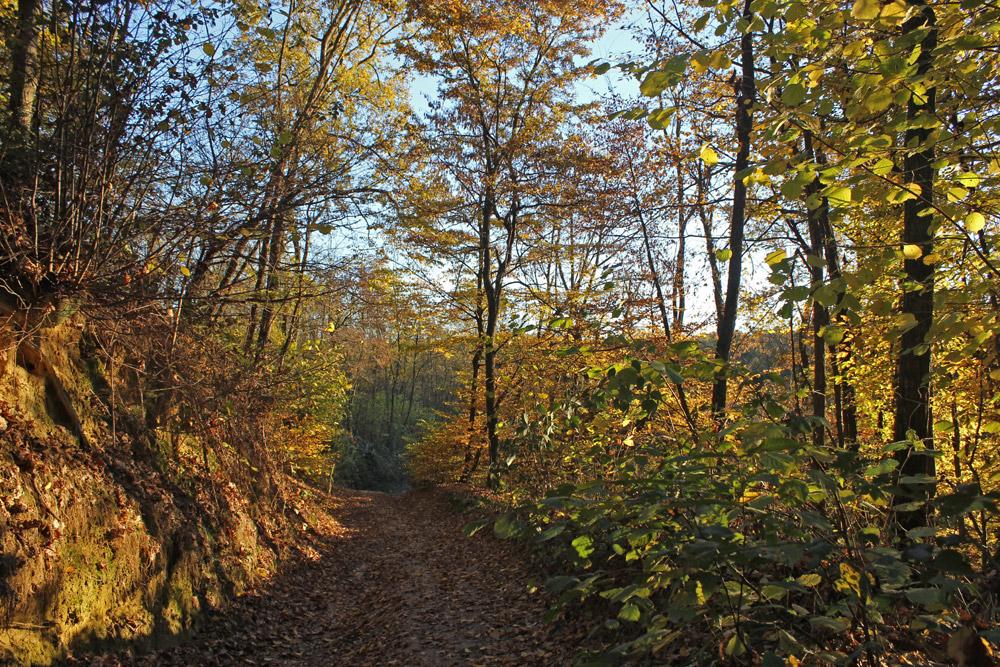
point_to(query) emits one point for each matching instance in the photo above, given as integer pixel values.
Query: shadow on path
(396, 583)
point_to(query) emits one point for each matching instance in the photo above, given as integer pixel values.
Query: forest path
(397, 583)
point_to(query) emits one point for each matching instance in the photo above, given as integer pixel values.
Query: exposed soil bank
(105, 539)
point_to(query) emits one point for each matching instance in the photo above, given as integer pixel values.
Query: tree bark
(818, 217)
(473, 454)
(24, 68)
(913, 362)
(679, 296)
(746, 90)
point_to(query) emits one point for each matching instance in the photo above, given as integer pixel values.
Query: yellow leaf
(974, 222)
(810, 580)
(699, 62)
(839, 196)
(895, 10)
(775, 257)
(708, 155)
(912, 251)
(866, 10)
(850, 579)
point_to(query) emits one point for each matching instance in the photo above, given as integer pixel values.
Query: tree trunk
(258, 286)
(472, 454)
(490, 372)
(664, 319)
(913, 363)
(746, 91)
(819, 222)
(276, 243)
(24, 68)
(679, 288)
(709, 231)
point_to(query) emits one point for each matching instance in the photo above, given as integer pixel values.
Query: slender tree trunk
(293, 325)
(679, 295)
(913, 362)
(746, 91)
(24, 68)
(709, 230)
(413, 381)
(819, 221)
(843, 390)
(472, 453)
(664, 318)
(276, 243)
(490, 378)
(494, 295)
(258, 286)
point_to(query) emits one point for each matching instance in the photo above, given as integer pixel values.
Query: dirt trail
(397, 583)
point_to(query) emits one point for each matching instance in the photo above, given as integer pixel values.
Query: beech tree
(506, 71)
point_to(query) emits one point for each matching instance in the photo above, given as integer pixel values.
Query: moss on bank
(103, 541)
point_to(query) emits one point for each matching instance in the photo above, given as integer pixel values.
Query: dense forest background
(718, 317)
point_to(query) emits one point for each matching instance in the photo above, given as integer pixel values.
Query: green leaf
(839, 195)
(772, 592)
(834, 625)
(506, 527)
(654, 84)
(560, 583)
(953, 562)
(660, 118)
(930, 598)
(906, 321)
(825, 296)
(630, 612)
(833, 334)
(474, 527)
(792, 189)
(815, 261)
(968, 179)
(208, 48)
(735, 647)
(879, 99)
(723, 255)
(603, 68)
(793, 94)
(584, 546)
(883, 167)
(551, 532)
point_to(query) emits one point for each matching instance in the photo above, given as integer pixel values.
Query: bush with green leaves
(764, 548)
